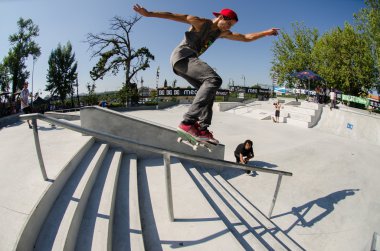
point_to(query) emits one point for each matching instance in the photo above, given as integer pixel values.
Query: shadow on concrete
(325, 207)
(187, 243)
(232, 173)
(14, 124)
(263, 164)
(43, 128)
(197, 220)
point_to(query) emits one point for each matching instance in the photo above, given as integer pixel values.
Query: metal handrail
(166, 153)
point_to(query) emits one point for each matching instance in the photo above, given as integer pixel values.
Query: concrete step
(227, 212)
(196, 226)
(127, 230)
(97, 223)
(294, 109)
(36, 219)
(256, 220)
(61, 227)
(298, 123)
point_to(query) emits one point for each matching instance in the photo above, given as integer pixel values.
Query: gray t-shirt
(195, 43)
(24, 95)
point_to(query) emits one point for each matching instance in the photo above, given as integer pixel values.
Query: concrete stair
(107, 197)
(78, 213)
(306, 115)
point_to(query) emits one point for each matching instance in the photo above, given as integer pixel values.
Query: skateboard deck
(274, 120)
(189, 140)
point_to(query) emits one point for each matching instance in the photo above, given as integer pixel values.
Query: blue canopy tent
(307, 75)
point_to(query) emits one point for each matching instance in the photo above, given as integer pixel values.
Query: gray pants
(207, 81)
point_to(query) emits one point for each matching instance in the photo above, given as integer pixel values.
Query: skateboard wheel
(179, 139)
(195, 147)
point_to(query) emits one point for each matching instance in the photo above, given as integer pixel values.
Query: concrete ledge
(142, 131)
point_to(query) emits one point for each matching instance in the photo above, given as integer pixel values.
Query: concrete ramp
(349, 124)
(141, 131)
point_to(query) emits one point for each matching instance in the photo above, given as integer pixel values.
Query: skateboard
(189, 140)
(274, 120)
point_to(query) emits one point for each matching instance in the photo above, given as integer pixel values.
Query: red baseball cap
(227, 13)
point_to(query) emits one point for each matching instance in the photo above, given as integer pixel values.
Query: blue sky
(71, 20)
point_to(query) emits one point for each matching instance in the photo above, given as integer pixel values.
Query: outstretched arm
(250, 36)
(192, 20)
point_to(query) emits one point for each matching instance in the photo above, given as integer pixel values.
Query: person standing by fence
(24, 97)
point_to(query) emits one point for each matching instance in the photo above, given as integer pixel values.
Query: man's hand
(142, 11)
(272, 32)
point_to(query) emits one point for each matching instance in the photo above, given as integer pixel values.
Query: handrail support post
(275, 195)
(38, 149)
(169, 191)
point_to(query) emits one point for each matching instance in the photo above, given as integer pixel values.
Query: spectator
(244, 152)
(24, 97)
(277, 106)
(332, 99)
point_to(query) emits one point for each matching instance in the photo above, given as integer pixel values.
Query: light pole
(34, 61)
(157, 79)
(77, 86)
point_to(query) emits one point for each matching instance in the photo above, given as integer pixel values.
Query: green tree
(62, 73)
(368, 22)
(292, 52)
(91, 99)
(116, 53)
(4, 77)
(165, 84)
(343, 58)
(23, 46)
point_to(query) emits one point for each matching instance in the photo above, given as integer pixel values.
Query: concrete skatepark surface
(330, 203)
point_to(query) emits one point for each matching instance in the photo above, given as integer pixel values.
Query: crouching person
(244, 152)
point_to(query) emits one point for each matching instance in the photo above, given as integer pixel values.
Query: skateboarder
(186, 63)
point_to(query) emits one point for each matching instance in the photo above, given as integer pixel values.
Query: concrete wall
(142, 131)
(350, 125)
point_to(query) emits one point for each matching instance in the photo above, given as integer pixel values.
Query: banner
(359, 100)
(187, 92)
(250, 90)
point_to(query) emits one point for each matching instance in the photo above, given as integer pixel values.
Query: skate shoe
(189, 129)
(206, 135)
